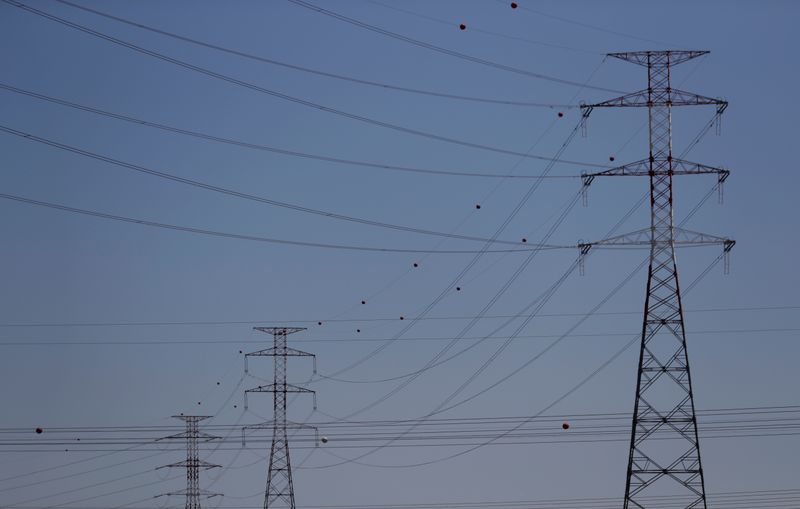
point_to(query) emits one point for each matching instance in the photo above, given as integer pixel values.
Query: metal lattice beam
(279, 492)
(664, 403)
(193, 464)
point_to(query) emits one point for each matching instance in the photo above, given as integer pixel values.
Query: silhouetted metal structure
(664, 450)
(193, 464)
(279, 492)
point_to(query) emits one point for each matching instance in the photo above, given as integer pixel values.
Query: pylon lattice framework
(193, 464)
(664, 456)
(279, 492)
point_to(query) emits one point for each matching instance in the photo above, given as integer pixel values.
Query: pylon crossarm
(199, 435)
(644, 237)
(644, 168)
(284, 331)
(201, 464)
(202, 493)
(279, 388)
(647, 58)
(272, 351)
(657, 97)
(272, 425)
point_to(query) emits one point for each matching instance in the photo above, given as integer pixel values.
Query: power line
(286, 97)
(500, 229)
(317, 72)
(724, 499)
(433, 421)
(256, 198)
(439, 49)
(384, 319)
(254, 238)
(586, 379)
(571, 21)
(473, 28)
(266, 148)
(234, 341)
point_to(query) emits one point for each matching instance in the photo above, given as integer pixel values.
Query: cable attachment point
(587, 181)
(723, 176)
(584, 248)
(726, 255)
(586, 110)
(718, 118)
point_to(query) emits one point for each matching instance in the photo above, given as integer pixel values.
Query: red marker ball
(39, 431)
(462, 26)
(524, 239)
(358, 330)
(565, 425)
(611, 158)
(513, 5)
(319, 323)
(458, 288)
(478, 206)
(363, 302)
(402, 317)
(560, 114)
(416, 264)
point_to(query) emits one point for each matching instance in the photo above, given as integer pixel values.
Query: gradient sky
(62, 269)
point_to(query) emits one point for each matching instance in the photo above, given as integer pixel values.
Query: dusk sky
(161, 197)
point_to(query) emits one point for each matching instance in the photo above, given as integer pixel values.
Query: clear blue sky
(65, 268)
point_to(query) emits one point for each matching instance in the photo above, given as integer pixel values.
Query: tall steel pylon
(279, 491)
(664, 454)
(193, 464)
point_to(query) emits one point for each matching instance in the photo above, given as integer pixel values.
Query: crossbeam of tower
(279, 492)
(193, 464)
(664, 457)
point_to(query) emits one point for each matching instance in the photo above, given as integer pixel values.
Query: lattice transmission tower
(664, 457)
(193, 464)
(279, 492)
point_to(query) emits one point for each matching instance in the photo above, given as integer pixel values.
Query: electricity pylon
(193, 464)
(664, 456)
(279, 492)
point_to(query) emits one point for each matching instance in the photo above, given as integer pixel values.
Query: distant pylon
(279, 492)
(193, 464)
(664, 456)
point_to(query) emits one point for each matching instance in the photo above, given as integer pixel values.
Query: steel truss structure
(664, 456)
(279, 491)
(193, 464)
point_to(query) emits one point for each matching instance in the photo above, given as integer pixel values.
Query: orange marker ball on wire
(462, 26)
(39, 431)
(560, 114)
(565, 425)
(611, 158)
(478, 206)
(513, 5)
